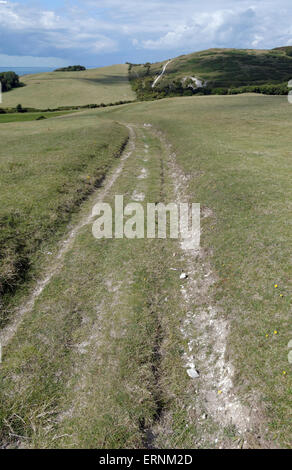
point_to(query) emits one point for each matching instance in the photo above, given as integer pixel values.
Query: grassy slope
(106, 315)
(237, 153)
(222, 68)
(51, 167)
(22, 117)
(55, 89)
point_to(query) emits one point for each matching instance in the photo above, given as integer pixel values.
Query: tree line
(9, 80)
(71, 68)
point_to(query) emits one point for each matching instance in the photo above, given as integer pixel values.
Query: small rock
(193, 373)
(184, 276)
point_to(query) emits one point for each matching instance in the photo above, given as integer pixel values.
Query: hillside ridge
(215, 71)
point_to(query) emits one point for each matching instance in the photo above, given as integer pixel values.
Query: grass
(56, 89)
(50, 169)
(98, 361)
(116, 344)
(221, 68)
(236, 151)
(23, 117)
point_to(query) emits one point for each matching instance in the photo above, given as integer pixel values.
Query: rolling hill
(99, 334)
(56, 89)
(136, 342)
(220, 71)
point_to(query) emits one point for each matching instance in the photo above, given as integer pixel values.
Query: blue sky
(103, 32)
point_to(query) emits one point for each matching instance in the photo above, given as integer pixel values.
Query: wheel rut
(8, 332)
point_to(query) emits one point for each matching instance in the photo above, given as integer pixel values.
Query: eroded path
(98, 357)
(7, 333)
(161, 75)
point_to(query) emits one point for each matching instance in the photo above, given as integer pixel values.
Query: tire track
(217, 395)
(10, 330)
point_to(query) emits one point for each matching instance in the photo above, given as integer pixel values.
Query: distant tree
(20, 109)
(71, 68)
(9, 80)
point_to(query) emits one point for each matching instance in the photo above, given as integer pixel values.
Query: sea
(26, 70)
(29, 70)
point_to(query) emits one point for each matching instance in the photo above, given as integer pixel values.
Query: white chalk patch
(161, 75)
(138, 197)
(193, 373)
(143, 175)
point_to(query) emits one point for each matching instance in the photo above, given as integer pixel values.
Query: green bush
(9, 80)
(71, 68)
(20, 109)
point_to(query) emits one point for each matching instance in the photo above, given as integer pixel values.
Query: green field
(51, 166)
(22, 117)
(236, 153)
(56, 89)
(98, 360)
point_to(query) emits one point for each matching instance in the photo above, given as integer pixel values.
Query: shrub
(20, 109)
(71, 68)
(9, 80)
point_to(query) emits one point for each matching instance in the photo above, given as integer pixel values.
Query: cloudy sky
(102, 32)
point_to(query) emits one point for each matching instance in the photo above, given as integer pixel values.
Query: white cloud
(257, 41)
(24, 61)
(48, 20)
(31, 32)
(86, 29)
(192, 24)
(224, 28)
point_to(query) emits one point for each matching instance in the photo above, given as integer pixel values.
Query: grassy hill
(99, 333)
(221, 70)
(116, 306)
(56, 89)
(47, 169)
